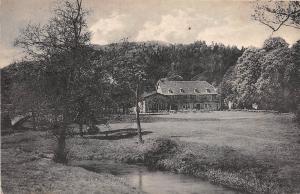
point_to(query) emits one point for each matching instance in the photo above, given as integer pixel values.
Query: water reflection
(155, 182)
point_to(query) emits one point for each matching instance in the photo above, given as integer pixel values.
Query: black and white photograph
(150, 97)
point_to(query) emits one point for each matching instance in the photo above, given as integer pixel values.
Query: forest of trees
(192, 61)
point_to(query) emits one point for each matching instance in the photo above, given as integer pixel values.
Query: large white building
(181, 95)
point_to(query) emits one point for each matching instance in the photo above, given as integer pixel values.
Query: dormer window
(196, 90)
(170, 91)
(208, 90)
(181, 90)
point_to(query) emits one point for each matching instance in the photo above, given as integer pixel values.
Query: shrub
(163, 146)
(160, 149)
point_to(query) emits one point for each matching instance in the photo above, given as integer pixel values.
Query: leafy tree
(69, 79)
(248, 70)
(272, 89)
(129, 72)
(274, 43)
(263, 76)
(277, 14)
(21, 90)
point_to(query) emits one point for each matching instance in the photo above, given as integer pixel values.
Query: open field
(259, 151)
(252, 152)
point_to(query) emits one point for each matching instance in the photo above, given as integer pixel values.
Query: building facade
(181, 96)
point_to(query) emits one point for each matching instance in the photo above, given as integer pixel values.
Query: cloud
(235, 32)
(244, 33)
(9, 55)
(178, 26)
(109, 29)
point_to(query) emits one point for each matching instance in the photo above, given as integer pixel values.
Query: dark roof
(166, 87)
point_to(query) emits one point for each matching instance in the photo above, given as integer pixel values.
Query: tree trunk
(123, 108)
(6, 122)
(80, 128)
(138, 122)
(34, 120)
(60, 154)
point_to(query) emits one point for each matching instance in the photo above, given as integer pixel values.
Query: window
(170, 91)
(196, 90)
(181, 90)
(207, 90)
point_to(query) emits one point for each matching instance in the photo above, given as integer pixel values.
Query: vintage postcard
(150, 96)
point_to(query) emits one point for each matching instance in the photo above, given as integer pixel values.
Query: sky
(172, 21)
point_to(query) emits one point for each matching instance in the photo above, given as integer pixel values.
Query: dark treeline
(191, 61)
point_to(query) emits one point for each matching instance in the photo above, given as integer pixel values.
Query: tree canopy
(263, 76)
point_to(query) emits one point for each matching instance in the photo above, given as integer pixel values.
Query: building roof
(166, 87)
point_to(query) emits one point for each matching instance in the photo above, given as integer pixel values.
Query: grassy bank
(27, 167)
(221, 165)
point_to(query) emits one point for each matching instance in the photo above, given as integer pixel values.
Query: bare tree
(275, 14)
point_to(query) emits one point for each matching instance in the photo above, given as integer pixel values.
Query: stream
(154, 181)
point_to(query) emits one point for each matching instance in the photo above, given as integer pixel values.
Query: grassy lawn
(264, 135)
(253, 152)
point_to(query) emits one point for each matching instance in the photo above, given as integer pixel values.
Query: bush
(160, 149)
(163, 146)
